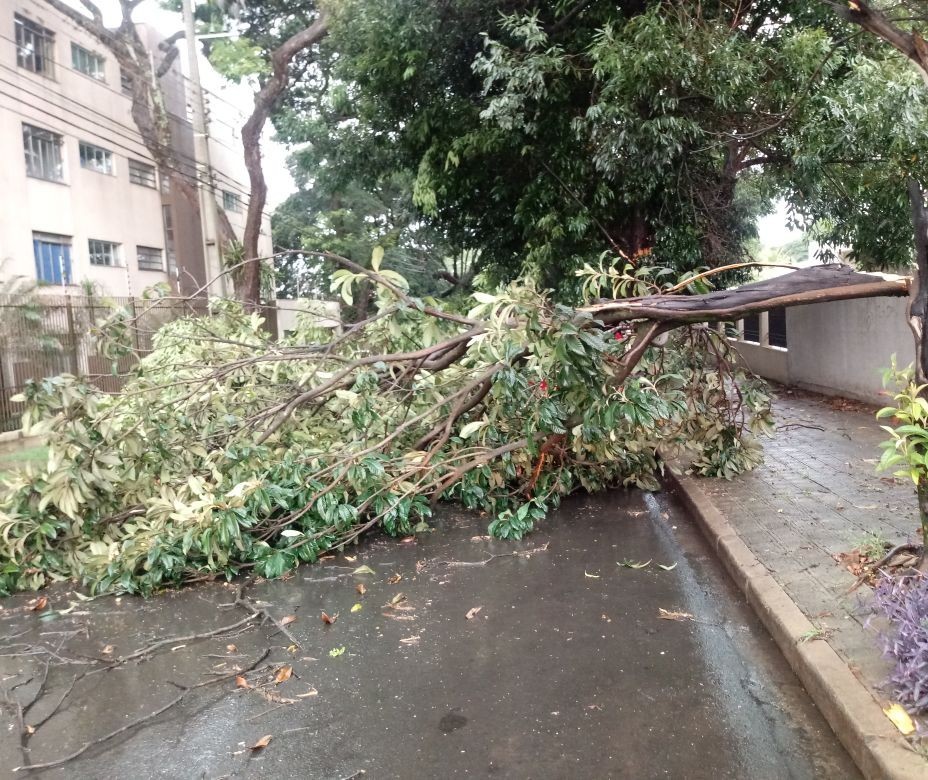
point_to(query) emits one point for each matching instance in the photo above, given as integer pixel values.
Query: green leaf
(376, 258)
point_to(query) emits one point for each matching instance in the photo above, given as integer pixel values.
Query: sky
(773, 230)
(279, 182)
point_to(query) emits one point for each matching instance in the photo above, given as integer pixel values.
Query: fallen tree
(229, 451)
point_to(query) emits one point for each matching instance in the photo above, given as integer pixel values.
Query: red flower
(618, 335)
(543, 386)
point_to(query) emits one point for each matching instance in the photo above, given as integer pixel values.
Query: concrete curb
(852, 711)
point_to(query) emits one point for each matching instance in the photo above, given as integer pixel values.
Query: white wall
(289, 310)
(837, 348)
(843, 346)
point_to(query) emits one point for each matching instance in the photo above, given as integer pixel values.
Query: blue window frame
(52, 259)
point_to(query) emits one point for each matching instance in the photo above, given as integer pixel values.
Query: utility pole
(212, 251)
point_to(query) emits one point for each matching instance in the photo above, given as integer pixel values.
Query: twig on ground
(246, 603)
(138, 721)
(787, 426)
(187, 638)
(882, 562)
(514, 554)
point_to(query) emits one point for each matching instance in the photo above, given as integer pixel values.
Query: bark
(918, 307)
(911, 44)
(265, 101)
(807, 285)
(922, 490)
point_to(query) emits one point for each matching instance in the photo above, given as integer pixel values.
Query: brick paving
(817, 495)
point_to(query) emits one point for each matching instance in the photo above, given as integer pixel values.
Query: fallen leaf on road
(335, 652)
(481, 538)
(262, 743)
(364, 570)
(394, 579)
(666, 614)
(310, 692)
(283, 674)
(351, 558)
(291, 648)
(634, 564)
(356, 608)
(361, 588)
(108, 650)
(329, 619)
(40, 604)
(231, 648)
(472, 613)
(30, 729)
(241, 682)
(410, 640)
(900, 718)
(408, 540)
(671, 567)
(394, 616)
(591, 576)
(397, 599)
(286, 621)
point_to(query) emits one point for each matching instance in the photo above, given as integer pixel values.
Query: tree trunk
(265, 101)
(922, 489)
(918, 306)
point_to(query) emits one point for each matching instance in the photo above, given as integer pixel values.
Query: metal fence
(44, 335)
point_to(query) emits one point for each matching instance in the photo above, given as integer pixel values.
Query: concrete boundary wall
(835, 348)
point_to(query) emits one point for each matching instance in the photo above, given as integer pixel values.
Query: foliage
(543, 134)
(862, 136)
(907, 448)
(349, 219)
(904, 602)
(230, 451)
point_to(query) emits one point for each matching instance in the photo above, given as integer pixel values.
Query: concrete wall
(328, 313)
(837, 348)
(843, 346)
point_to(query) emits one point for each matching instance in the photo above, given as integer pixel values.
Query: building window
(142, 173)
(43, 153)
(125, 82)
(776, 323)
(165, 185)
(103, 252)
(52, 258)
(149, 258)
(35, 47)
(96, 159)
(231, 201)
(87, 62)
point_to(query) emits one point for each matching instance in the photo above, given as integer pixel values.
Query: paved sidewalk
(817, 495)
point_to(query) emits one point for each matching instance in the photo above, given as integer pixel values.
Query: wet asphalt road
(567, 670)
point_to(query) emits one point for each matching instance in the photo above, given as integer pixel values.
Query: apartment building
(80, 197)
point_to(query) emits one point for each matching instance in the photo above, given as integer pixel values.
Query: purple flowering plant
(904, 602)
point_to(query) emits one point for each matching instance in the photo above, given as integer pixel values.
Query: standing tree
(547, 133)
(277, 50)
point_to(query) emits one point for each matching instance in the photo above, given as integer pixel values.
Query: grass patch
(10, 461)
